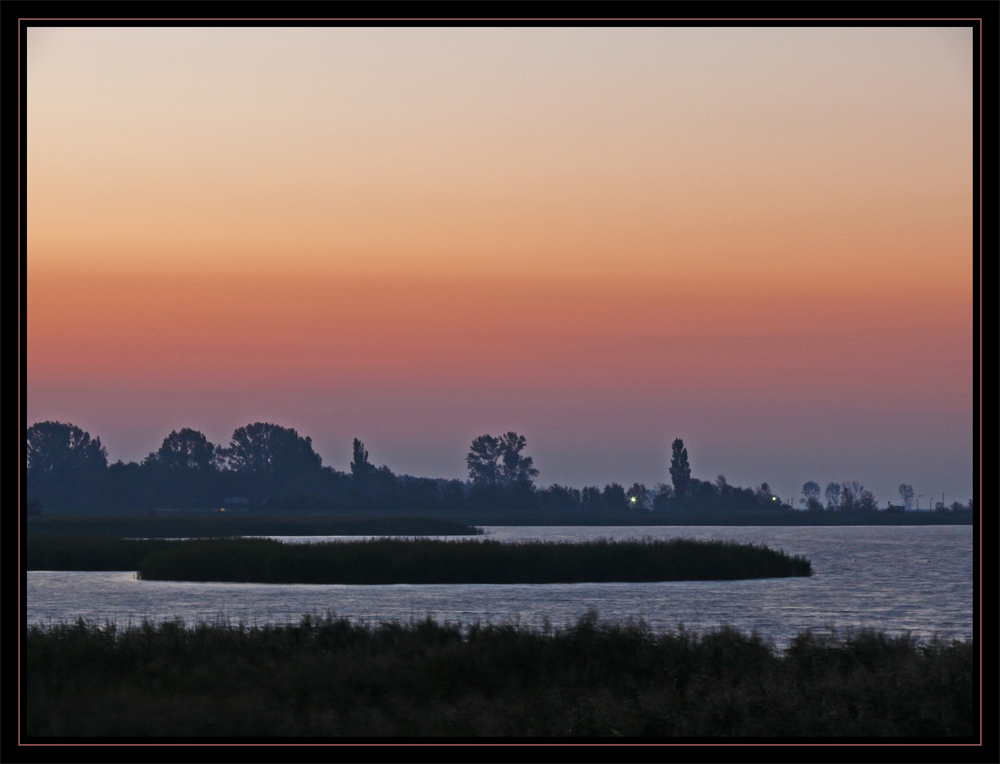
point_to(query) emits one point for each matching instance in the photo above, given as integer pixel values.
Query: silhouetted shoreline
(220, 524)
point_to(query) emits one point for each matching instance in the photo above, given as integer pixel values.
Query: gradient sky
(756, 239)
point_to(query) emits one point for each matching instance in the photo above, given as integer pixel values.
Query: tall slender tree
(680, 469)
(361, 468)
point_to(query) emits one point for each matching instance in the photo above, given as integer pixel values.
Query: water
(898, 579)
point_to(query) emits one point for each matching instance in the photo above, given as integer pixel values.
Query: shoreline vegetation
(222, 524)
(382, 561)
(326, 677)
(217, 524)
(270, 468)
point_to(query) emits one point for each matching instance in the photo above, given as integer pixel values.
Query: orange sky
(756, 239)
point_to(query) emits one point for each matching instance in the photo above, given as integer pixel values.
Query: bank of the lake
(718, 519)
(328, 677)
(217, 524)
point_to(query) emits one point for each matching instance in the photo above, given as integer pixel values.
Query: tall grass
(220, 524)
(89, 553)
(328, 677)
(430, 561)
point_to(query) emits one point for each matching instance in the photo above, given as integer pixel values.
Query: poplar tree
(680, 470)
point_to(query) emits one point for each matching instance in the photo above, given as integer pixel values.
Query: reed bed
(89, 553)
(225, 524)
(432, 561)
(326, 677)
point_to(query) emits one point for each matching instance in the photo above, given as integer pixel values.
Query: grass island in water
(432, 561)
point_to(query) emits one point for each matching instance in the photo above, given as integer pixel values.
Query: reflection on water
(916, 579)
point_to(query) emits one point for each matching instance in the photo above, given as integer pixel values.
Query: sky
(759, 240)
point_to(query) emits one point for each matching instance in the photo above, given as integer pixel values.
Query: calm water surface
(900, 579)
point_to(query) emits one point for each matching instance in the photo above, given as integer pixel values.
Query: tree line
(851, 496)
(267, 466)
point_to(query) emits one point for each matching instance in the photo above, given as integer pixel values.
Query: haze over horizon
(755, 239)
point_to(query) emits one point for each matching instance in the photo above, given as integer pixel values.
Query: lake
(916, 579)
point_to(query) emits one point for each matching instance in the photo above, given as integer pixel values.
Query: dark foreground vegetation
(219, 524)
(327, 677)
(430, 561)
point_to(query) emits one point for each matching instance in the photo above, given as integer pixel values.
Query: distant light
(633, 499)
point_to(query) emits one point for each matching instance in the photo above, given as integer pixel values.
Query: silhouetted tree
(865, 501)
(662, 496)
(766, 498)
(680, 469)
(723, 487)
(419, 494)
(187, 450)
(560, 498)
(266, 448)
(482, 461)
(131, 487)
(848, 492)
(361, 468)
(384, 483)
(850, 496)
(65, 467)
(854, 498)
(454, 495)
(268, 456)
(832, 493)
(516, 469)
(498, 463)
(371, 483)
(590, 499)
(906, 494)
(55, 448)
(614, 498)
(639, 497)
(184, 471)
(811, 493)
(702, 495)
